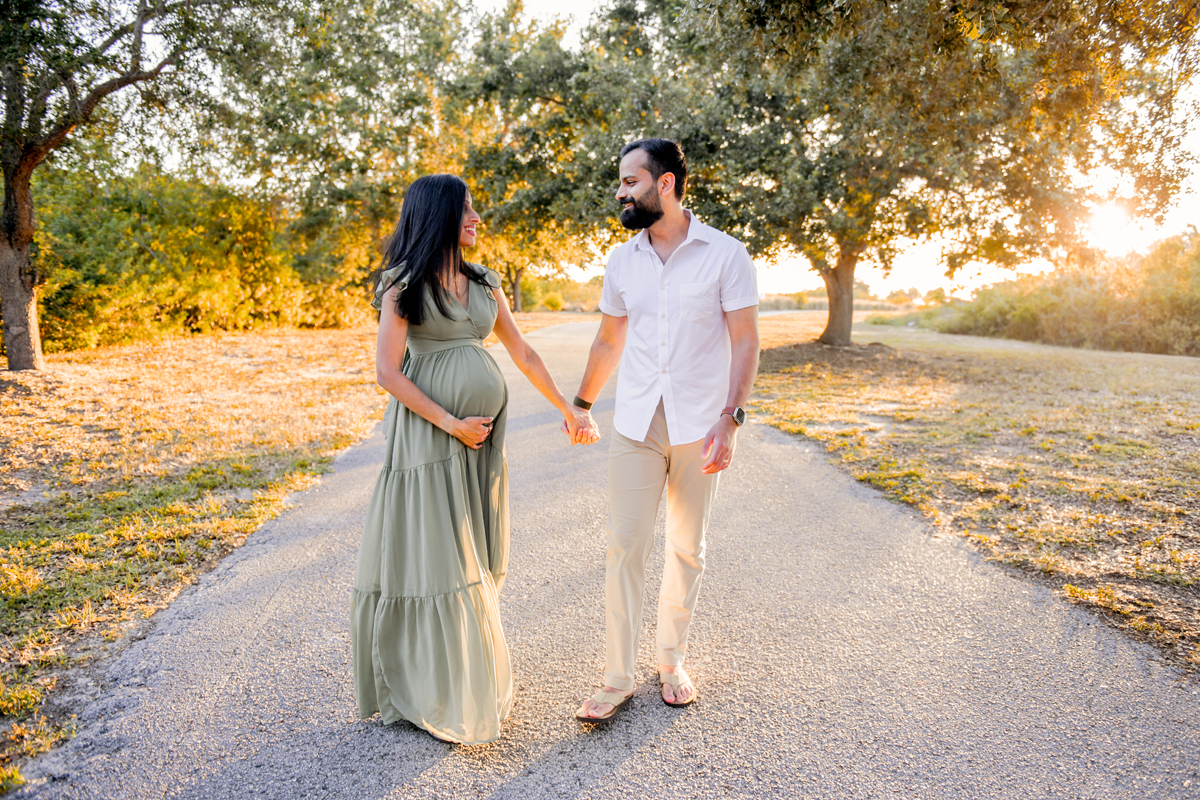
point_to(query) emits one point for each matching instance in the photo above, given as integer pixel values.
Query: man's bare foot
(678, 695)
(591, 708)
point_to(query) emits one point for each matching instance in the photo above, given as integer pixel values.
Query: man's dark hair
(662, 156)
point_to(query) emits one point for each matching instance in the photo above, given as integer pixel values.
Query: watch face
(739, 416)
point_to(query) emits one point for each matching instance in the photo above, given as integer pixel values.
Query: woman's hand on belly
(467, 385)
(472, 431)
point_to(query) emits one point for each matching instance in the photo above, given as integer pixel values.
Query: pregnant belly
(465, 381)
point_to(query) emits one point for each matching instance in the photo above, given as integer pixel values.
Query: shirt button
(664, 370)
(664, 316)
(663, 343)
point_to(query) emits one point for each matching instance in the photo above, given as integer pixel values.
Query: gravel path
(841, 651)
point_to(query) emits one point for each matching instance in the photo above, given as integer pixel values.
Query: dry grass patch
(129, 471)
(1080, 466)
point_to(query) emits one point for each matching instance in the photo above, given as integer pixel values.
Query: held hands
(471, 431)
(580, 428)
(718, 445)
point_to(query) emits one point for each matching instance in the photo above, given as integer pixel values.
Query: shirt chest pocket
(698, 301)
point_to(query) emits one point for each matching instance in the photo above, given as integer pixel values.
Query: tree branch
(37, 109)
(83, 110)
(145, 14)
(72, 90)
(135, 57)
(117, 35)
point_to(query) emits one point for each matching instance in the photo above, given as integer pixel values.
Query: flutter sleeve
(389, 278)
(492, 277)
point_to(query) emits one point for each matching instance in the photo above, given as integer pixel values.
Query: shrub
(561, 294)
(133, 254)
(1139, 303)
(779, 302)
(531, 292)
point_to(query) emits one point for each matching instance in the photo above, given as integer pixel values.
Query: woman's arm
(389, 356)
(530, 364)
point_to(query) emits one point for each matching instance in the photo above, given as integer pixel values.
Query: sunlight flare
(1110, 229)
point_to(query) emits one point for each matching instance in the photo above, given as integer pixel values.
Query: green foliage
(142, 253)
(530, 292)
(1141, 303)
(970, 120)
(333, 107)
(839, 130)
(976, 122)
(933, 316)
(62, 59)
(530, 115)
(10, 778)
(553, 293)
(19, 700)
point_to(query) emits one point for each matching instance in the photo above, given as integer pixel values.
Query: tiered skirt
(427, 642)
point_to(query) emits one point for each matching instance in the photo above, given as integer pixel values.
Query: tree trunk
(514, 280)
(18, 305)
(839, 287)
(18, 282)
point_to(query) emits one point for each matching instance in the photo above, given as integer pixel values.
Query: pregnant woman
(425, 628)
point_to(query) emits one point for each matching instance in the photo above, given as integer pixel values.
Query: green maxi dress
(425, 624)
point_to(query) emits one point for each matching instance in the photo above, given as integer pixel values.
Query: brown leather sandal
(616, 699)
(675, 680)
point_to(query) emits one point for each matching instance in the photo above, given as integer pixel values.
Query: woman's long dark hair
(426, 242)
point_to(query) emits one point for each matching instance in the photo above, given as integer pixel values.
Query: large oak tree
(981, 122)
(59, 62)
(845, 130)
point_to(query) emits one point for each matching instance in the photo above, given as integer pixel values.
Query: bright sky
(918, 266)
(580, 11)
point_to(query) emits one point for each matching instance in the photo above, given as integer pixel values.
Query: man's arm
(602, 360)
(743, 366)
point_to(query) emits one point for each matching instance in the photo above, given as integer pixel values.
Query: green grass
(81, 570)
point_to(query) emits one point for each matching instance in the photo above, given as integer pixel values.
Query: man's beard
(643, 213)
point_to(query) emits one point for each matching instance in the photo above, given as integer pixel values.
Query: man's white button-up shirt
(677, 344)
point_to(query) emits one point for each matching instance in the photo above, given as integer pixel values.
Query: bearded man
(680, 314)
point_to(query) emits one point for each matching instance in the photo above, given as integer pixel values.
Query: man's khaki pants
(636, 474)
